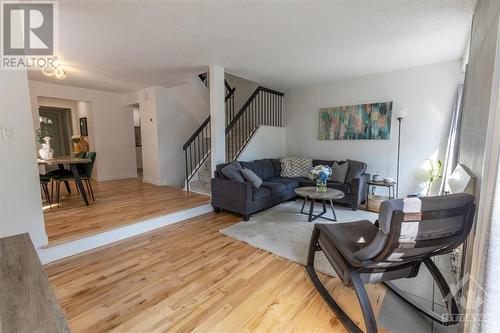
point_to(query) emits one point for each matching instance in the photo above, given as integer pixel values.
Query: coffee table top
(310, 192)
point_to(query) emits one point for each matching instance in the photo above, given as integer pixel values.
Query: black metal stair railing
(263, 107)
(197, 147)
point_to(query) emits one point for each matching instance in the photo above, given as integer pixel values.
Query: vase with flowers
(76, 143)
(43, 136)
(321, 173)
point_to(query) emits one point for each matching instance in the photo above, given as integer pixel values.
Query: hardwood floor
(118, 202)
(189, 277)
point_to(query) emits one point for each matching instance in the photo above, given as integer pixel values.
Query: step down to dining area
(122, 208)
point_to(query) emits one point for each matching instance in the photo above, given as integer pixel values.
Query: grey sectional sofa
(243, 199)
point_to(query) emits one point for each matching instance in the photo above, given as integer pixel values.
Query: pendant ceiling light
(55, 68)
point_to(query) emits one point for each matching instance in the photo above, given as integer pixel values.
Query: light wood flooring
(189, 277)
(118, 203)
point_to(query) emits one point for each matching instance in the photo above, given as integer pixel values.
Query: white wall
(20, 201)
(425, 95)
(111, 123)
(244, 89)
(169, 116)
(267, 142)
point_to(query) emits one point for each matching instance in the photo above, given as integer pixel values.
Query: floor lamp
(400, 118)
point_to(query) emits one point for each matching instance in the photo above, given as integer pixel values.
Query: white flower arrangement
(321, 172)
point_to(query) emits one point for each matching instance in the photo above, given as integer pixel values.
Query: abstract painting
(356, 122)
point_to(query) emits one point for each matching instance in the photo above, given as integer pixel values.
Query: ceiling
(126, 45)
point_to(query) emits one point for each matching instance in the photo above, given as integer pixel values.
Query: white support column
(217, 116)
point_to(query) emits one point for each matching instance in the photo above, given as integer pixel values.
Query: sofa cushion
(262, 168)
(251, 177)
(275, 188)
(277, 166)
(339, 172)
(305, 181)
(356, 169)
(346, 188)
(233, 171)
(295, 167)
(260, 193)
(290, 183)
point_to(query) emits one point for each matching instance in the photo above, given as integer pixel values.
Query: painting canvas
(356, 122)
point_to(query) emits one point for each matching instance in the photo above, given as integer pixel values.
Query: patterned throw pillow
(295, 167)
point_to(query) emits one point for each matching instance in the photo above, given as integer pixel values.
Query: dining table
(73, 163)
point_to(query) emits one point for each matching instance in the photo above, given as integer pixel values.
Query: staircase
(263, 107)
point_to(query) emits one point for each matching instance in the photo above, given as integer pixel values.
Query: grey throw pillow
(233, 171)
(339, 172)
(356, 169)
(251, 177)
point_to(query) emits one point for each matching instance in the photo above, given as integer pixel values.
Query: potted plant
(321, 173)
(43, 136)
(434, 172)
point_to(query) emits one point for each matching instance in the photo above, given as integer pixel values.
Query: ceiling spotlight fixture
(55, 68)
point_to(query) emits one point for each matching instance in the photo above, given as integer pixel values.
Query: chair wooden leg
(444, 288)
(364, 302)
(58, 192)
(91, 190)
(369, 318)
(45, 188)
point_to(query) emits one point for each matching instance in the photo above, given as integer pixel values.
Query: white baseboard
(153, 181)
(71, 248)
(103, 179)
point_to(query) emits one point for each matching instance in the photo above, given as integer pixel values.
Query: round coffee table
(310, 193)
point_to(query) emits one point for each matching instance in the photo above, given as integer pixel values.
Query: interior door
(57, 120)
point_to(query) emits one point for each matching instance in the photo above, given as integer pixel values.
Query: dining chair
(85, 171)
(44, 185)
(61, 173)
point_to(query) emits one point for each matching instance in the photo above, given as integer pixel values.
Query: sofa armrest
(231, 190)
(358, 184)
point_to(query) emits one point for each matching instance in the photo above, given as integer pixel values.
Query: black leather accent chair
(362, 252)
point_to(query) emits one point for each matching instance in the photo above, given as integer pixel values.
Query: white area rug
(282, 230)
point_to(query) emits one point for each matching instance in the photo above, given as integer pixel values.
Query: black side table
(374, 183)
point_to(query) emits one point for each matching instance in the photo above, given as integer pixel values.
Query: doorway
(58, 121)
(138, 141)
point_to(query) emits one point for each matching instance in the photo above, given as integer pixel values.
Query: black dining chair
(85, 171)
(394, 248)
(44, 185)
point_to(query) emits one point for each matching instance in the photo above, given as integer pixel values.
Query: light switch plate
(7, 133)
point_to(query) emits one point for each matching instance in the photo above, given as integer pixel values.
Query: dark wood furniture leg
(311, 210)
(79, 183)
(66, 183)
(444, 288)
(333, 210)
(369, 318)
